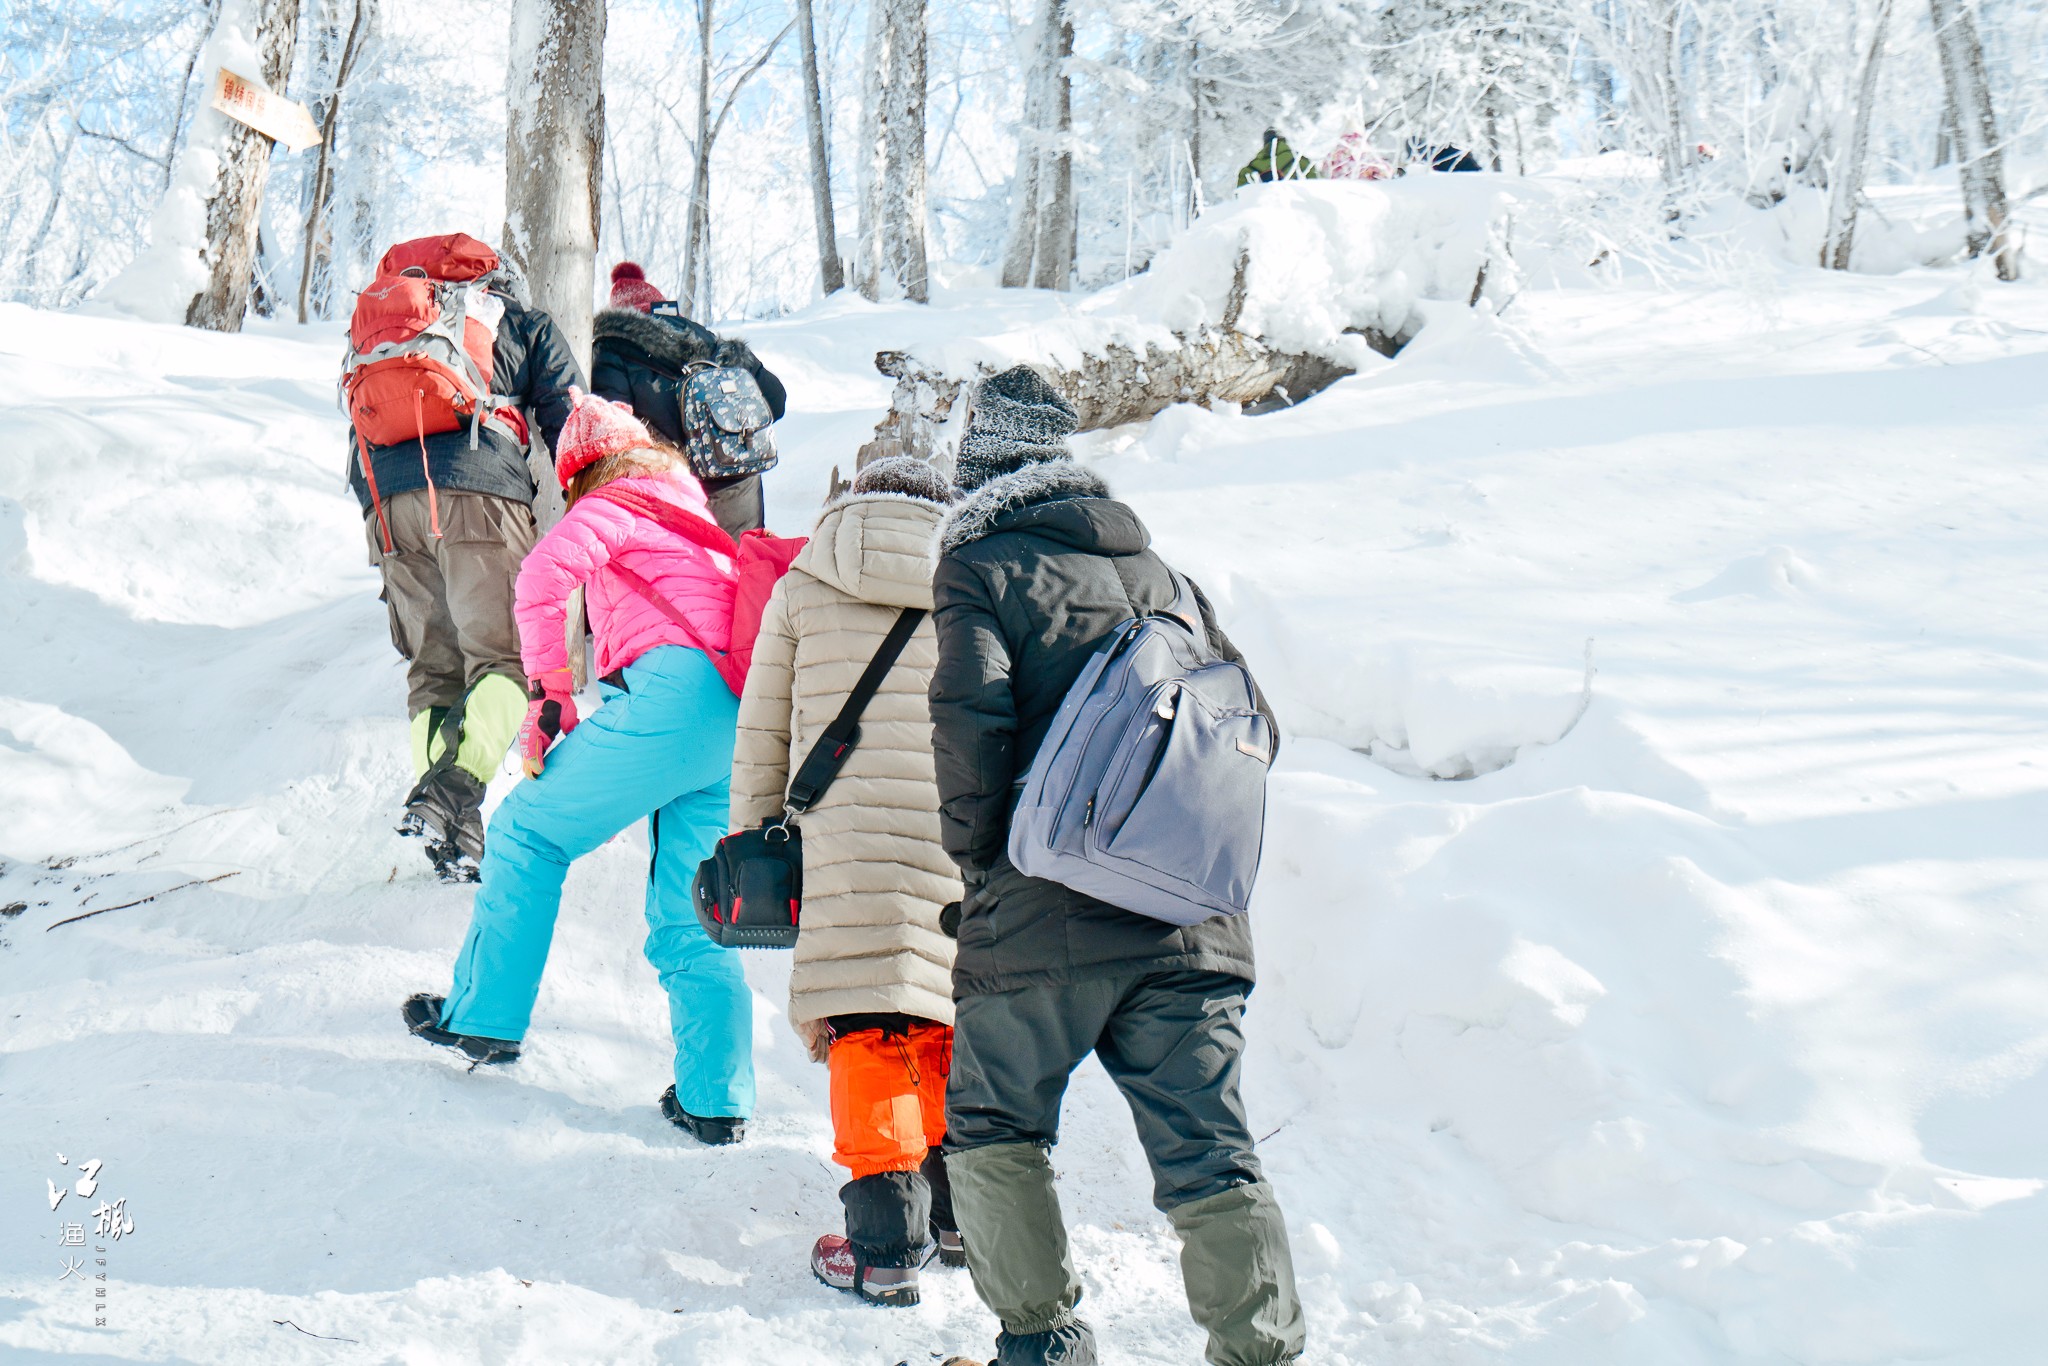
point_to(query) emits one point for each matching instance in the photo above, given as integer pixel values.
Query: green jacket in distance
(1277, 161)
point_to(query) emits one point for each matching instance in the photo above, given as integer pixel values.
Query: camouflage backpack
(725, 423)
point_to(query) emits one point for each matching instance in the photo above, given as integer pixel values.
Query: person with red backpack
(662, 583)
(449, 370)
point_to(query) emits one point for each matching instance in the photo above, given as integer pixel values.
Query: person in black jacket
(447, 527)
(1035, 569)
(640, 351)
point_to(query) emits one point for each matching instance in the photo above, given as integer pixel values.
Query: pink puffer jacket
(593, 534)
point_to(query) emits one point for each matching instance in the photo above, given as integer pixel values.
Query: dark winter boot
(450, 801)
(715, 1131)
(945, 1231)
(451, 865)
(423, 1019)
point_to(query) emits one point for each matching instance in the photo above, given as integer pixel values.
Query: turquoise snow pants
(659, 747)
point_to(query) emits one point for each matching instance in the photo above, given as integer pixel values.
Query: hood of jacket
(1057, 499)
(668, 347)
(875, 547)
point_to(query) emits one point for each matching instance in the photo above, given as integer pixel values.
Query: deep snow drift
(1706, 1024)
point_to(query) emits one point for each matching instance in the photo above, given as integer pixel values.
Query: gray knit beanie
(906, 475)
(1016, 419)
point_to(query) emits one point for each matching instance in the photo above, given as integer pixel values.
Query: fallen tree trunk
(1120, 385)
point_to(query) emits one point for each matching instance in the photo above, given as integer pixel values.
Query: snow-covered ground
(1707, 1023)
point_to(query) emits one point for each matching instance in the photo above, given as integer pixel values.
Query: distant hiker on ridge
(643, 351)
(439, 433)
(1276, 161)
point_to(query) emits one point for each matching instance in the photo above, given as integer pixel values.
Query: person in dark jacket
(1035, 569)
(642, 347)
(447, 529)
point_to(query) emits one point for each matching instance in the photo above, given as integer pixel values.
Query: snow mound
(1327, 258)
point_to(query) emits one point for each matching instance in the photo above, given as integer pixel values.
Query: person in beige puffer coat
(871, 989)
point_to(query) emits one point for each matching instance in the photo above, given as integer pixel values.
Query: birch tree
(554, 143)
(831, 276)
(234, 206)
(343, 31)
(697, 280)
(1980, 156)
(1041, 244)
(1846, 191)
(892, 165)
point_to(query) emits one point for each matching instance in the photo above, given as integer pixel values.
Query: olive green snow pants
(1173, 1043)
(450, 599)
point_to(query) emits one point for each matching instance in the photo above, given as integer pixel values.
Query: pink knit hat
(631, 290)
(596, 428)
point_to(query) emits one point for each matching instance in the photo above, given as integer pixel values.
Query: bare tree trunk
(1847, 186)
(1979, 155)
(1054, 267)
(317, 255)
(233, 208)
(1020, 246)
(554, 144)
(830, 274)
(695, 242)
(892, 169)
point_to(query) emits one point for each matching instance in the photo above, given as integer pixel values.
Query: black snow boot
(451, 865)
(423, 1018)
(945, 1231)
(715, 1131)
(450, 801)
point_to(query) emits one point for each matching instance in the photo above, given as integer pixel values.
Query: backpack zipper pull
(1088, 816)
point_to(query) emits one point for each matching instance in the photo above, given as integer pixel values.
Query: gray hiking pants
(737, 505)
(450, 596)
(1173, 1043)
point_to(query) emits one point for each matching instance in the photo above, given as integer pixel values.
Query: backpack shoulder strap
(828, 756)
(1185, 605)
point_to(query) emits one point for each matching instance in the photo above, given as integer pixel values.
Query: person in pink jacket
(660, 747)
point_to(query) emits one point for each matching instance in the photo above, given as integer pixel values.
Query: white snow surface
(1705, 1024)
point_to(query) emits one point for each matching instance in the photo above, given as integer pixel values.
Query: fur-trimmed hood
(1048, 482)
(667, 346)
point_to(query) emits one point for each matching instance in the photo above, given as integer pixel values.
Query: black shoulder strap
(828, 756)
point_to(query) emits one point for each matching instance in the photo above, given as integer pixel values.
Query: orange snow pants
(889, 1096)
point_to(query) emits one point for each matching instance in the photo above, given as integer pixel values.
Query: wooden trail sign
(272, 115)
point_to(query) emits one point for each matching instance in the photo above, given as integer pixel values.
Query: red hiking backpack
(422, 347)
(760, 557)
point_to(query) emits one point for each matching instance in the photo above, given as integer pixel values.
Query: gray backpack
(1149, 791)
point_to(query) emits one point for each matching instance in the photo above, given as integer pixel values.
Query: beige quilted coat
(875, 877)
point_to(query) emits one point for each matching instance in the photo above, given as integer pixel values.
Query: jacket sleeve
(974, 719)
(575, 549)
(1222, 645)
(760, 755)
(550, 370)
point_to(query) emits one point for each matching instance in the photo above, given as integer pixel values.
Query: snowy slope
(1705, 1024)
